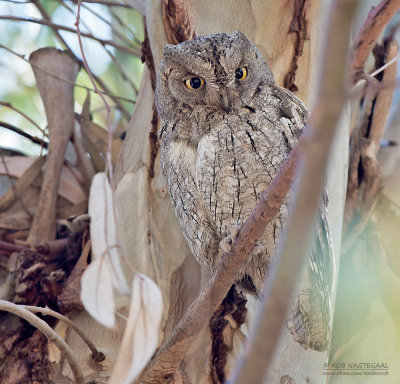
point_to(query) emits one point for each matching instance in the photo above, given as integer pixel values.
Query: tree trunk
(288, 33)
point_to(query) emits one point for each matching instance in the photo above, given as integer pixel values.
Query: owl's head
(218, 72)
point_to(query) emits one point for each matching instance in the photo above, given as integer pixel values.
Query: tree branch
(21, 132)
(43, 327)
(122, 48)
(373, 26)
(168, 357)
(24, 115)
(103, 91)
(96, 355)
(10, 247)
(293, 249)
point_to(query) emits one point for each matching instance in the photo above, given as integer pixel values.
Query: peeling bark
(300, 27)
(177, 21)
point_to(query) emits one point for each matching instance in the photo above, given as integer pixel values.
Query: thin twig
(24, 115)
(106, 93)
(10, 247)
(127, 27)
(97, 356)
(21, 132)
(121, 71)
(109, 167)
(115, 32)
(115, 3)
(43, 327)
(99, 81)
(103, 42)
(388, 64)
(106, 105)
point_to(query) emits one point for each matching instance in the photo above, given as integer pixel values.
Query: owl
(226, 130)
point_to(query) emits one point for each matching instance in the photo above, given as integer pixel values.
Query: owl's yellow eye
(194, 83)
(241, 73)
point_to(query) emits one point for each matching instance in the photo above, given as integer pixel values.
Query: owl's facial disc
(221, 93)
(221, 72)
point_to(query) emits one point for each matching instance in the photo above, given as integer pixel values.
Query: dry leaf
(105, 271)
(97, 291)
(142, 329)
(17, 166)
(48, 65)
(104, 231)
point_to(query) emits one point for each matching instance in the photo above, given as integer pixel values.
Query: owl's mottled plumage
(221, 145)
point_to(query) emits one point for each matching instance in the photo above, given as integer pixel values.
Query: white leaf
(141, 334)
(104, 231)
(97, 292)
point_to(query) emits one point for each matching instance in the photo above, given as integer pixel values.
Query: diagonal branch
(21, 132)
(167, 359)
(43, 327)
(256, 360)
(373, 26)
(60, 27)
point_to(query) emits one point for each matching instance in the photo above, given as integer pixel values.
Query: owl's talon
(259, 249)
(226, 243)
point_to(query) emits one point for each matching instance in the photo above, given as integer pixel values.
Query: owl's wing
(310, 319)
(178, 162)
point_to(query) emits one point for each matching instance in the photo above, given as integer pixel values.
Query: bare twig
(121, 71)
(127, 27)
(97, 356)
(99, 81)
(113, 3)
(115, 32)
(24, 115)
(384, 99)
(10, 247)
(106, 93)
(388, 64)
(43, 327)
(373, 26)
(21, 132)
(103, 42)
(279, 288)
(106, 105)
(109, 167)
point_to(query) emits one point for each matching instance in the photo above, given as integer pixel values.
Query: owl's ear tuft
(169, 50)
(241, 36)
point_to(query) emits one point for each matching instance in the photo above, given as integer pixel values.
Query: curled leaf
(104, 231)
(97, 292)
(141, 334)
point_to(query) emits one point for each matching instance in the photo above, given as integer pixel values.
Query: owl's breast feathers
(216, 166)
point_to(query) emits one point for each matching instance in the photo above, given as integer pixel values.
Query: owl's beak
(227, 98)
(225, 101)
